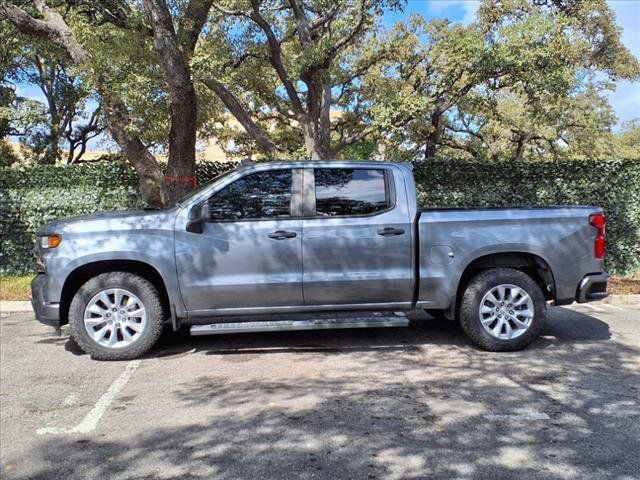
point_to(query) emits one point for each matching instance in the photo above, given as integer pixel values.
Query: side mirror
(198, 215)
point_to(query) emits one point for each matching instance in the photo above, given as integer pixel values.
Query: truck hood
(111, 221)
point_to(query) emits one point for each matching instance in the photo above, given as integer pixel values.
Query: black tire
(137, 285)
(470, 305)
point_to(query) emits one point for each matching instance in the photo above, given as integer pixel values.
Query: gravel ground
(417, 402)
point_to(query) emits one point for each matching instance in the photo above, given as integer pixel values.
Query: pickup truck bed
(452, 240)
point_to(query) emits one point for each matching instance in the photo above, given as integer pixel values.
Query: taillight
(599, 221)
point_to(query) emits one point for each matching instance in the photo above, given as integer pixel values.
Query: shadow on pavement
(563, 325)
(411, 404)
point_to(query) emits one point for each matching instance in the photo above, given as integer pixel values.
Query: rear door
(356, 247)
(249, 254)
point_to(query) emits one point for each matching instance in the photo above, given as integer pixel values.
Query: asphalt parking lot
(417, 402)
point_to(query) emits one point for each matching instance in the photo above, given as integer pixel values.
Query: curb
(7, 306)
(622, 298)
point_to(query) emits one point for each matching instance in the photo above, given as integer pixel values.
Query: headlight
(49, 241)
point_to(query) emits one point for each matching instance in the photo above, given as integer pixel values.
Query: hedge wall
(30, 197)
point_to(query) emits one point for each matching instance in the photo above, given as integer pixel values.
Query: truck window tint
(341, 191)
(258, 195)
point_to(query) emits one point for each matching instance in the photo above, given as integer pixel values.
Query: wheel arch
(83, 273)
(530, 263)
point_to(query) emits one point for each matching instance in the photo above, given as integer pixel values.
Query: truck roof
(325, 163)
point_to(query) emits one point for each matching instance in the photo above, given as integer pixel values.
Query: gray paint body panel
(346, 261)
(562, 237)
(234, 268)
(144, 236)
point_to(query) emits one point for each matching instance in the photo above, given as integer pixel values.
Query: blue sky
(625, 100)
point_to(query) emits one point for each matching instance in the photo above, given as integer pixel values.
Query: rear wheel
(502, 309)
(116, 316)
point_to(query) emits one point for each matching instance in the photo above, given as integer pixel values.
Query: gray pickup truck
(275, 246)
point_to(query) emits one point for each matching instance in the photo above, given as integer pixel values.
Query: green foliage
(33, 196)
(44, 127)
(627, 141)
(526, 79)
(7, 156)
(30, 197)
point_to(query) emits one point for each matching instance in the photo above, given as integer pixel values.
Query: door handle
(390, 231)
(282, 234)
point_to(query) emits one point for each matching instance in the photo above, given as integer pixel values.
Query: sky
(625, 100)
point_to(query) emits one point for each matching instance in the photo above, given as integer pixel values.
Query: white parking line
(519, 416)
(91, 419)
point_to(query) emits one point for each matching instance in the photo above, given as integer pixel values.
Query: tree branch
(350, 140)
(276, 58)
(356, 30)
(303, 28)
(327, 17)
(52, 28)
(192, 23)
(237, 110)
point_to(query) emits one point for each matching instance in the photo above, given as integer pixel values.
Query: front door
(249, 254)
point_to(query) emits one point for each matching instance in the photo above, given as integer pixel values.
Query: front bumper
(47, 313)
(592, 287)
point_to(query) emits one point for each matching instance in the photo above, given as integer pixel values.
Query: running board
(287, 325)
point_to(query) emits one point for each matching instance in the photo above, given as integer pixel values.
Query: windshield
(190, 195)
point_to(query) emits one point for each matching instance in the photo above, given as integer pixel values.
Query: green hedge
(33, 196)
(30, 197)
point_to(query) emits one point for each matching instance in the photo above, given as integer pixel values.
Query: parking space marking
(519, 416)
(91, 419)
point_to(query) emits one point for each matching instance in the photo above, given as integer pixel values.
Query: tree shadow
(565, 325)
(384, 403)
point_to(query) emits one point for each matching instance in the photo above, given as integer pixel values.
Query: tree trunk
(433, 139)
(521, 143)
(181, 167)
(150, 179)
(316, 124)
(316, 144)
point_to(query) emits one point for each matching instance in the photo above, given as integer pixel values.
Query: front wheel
(502, 309)
(116, 316)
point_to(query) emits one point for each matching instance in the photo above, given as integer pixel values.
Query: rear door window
(350, 191)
